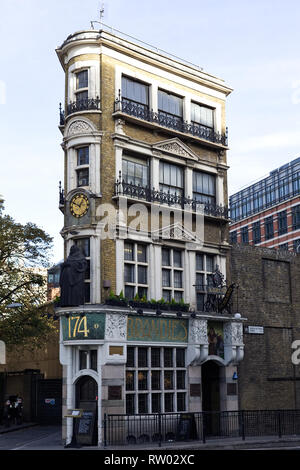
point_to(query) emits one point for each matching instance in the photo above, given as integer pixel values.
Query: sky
(252, 45)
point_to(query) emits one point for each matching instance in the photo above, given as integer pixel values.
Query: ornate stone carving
(233, 334)
(79, 127)
(198, 331)
(174, 147)
(115, 326)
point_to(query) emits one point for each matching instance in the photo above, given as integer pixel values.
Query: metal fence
(174, 427)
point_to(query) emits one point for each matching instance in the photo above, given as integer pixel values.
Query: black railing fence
(142, 111)
(122, 188)
(174, 427)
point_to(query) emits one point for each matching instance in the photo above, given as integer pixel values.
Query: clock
(79, 205)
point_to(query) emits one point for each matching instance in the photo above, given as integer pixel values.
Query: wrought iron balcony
(152, 195)
(88, 104)
(170, 121)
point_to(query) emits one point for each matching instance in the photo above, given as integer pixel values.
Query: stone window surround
(121, 148)
(155, 266)
(88, 137)
(93, 68)
(155, 84)
(161, 369)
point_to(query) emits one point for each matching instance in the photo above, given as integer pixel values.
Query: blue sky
(252, 45)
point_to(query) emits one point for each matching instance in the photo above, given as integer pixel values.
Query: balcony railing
(152, 195)
(88, 104)
(61, 196)
(143, 112)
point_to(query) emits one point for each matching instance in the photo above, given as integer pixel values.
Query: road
(34, 438)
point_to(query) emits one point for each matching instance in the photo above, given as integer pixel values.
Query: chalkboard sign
(85, 427)
(186, 428)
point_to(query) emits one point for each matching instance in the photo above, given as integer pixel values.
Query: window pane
(143, 402)
(87, 292)
(142, 292)
(166, 295)
(142, 380)
(178, 279)
(180, 379)
(168, 357)
(155, 357)
(168, 380)
(166, 257)
(130, 380)
(128, 251)
(177, 259)
(178, 296)
(83, 156)
(135, 91)
(83, 359)
(156, 398)
(200, 302)
(130, 357)
(180, 357)
(210, 263)
(169, 407)
(181, 401)
(130, 408)
(142, 274)
(200, 281)
(82, 79)
(169, 103)
(199, 262)
(155, 380)
(93, 359)
(129, 272)
(129, 292)
(142, 357)
(83, 177)
(166, 277)
(202, 115)
(142, 253)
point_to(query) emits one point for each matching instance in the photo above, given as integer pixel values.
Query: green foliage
(24, 250)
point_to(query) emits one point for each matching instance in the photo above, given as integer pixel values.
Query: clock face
(79, 205)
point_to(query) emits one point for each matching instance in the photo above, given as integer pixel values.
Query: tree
(24, 250)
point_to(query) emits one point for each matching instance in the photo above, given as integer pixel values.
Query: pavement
(30, 436)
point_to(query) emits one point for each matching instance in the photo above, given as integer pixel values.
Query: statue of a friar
(72, 279)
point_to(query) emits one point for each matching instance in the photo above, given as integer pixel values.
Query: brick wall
(268, 296)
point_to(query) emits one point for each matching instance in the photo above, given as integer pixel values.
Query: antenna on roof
(101, 16)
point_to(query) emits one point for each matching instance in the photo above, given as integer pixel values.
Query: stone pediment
(175, 232)
(175, 147)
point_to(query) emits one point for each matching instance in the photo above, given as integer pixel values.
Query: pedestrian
(19, 410)
(7, 413)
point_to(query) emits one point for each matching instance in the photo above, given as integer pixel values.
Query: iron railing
(152, 195)
(87, 104)
(174, 427)
(61, 195)
(141, 111)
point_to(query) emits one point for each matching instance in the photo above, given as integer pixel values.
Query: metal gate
(49, 401)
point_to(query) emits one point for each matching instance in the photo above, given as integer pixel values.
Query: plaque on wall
(114, 392)
(195, 390)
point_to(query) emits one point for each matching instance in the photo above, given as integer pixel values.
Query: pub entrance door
(87, 399)
(211, 397)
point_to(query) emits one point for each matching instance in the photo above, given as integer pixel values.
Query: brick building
(267, 213)
(269, 296)
(145, 198)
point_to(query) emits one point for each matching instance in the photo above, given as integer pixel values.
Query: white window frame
(162, 391)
